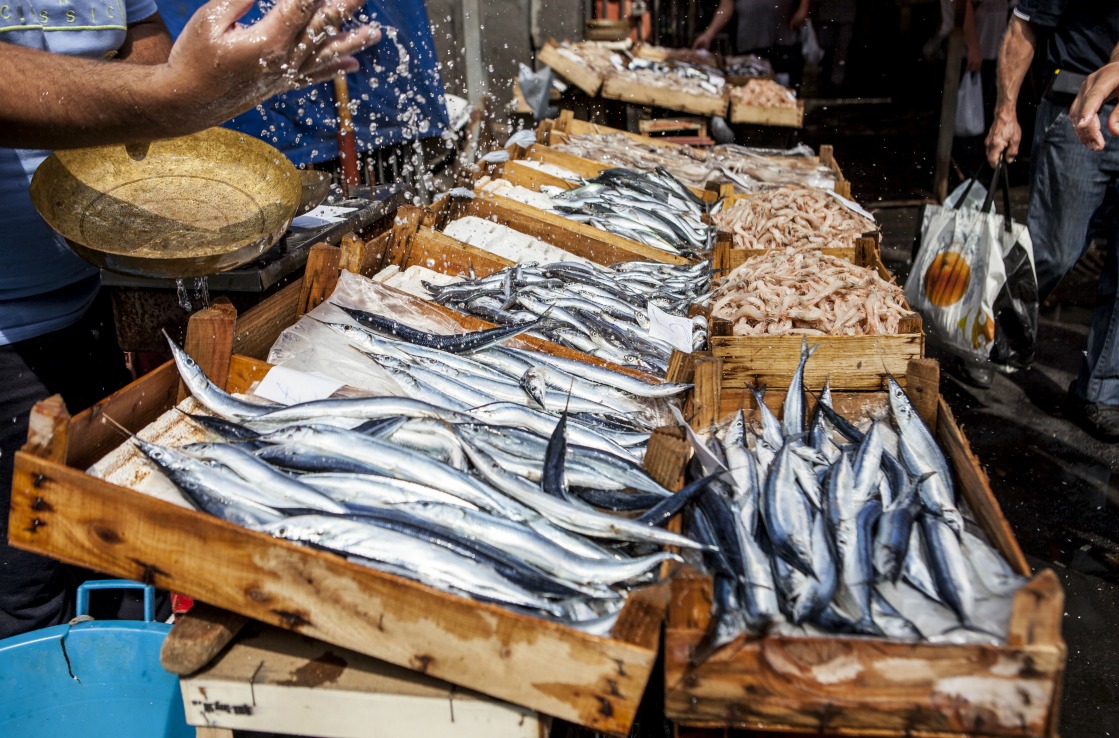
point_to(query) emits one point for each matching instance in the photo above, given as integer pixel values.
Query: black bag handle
(1001, 168)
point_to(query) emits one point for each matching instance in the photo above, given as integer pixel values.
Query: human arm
(1100, 85)
(800, 15)
(719, 21)
(216, 70)
(1015, 56)
(971, 37)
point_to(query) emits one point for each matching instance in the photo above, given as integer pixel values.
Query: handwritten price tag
(289, 386)
(671, 329)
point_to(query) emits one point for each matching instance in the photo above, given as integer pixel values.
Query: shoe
(1100, 421)
(977, 375)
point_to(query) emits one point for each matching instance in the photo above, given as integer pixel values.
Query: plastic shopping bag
(973, 281)
(809, 44)
(969, 106)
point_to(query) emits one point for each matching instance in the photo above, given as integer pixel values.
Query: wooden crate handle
(48, 430)
(319, 278)
(209, 341)
(1039, 608)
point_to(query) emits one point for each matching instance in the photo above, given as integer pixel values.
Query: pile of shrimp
(792, 216)
(685, 163)
(801, 291)
(763, 93)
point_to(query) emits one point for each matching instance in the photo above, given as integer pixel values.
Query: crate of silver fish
(867, 579)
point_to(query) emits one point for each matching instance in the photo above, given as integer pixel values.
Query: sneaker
(1101, 421)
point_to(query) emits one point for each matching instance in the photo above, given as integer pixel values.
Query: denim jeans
(1074, 195)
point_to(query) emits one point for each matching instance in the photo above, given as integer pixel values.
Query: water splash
(202, 291)
(184, 296)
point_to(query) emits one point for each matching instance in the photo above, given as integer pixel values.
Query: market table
(275, 681)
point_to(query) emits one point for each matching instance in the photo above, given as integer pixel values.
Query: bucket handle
(82, 607)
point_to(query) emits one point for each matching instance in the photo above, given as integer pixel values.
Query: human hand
(974, 58)
(702, 42)
(219, 68)
(1004, 138)
(1084, 112)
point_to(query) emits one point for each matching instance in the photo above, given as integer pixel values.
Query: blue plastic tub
(94, 679)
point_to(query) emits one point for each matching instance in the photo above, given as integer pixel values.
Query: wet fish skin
(788, 516)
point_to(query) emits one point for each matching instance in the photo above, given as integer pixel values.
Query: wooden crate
(622, 87)
(566, 123)
(765, 116)
(870, 686)
(581, 75)
(851, 362)
(578, 238)
(584, 168)
(60, 511)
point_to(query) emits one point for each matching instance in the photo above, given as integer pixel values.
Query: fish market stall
(669, 85)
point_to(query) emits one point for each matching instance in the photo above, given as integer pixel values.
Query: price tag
(320, 216)
(671, 329)
(289, 386)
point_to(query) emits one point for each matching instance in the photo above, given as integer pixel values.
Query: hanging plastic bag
(973, 281)
(969, 106)
(809, 44)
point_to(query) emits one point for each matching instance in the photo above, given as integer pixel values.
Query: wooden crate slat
(622, 87)
(767, 116)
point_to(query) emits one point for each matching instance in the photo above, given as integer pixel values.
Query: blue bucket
(95, 679)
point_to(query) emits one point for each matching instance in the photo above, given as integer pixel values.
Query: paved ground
(1058, 486)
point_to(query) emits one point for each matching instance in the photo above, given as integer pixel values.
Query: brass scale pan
(174, 208)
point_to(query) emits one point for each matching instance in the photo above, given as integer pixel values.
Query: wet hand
(219, 68)
(1084, 112)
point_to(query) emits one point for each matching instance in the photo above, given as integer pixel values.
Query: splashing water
(184, 296)
(202, 291)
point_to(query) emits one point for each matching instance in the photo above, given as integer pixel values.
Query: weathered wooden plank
(271, 681)
(197, 637)
(438, 251)
(862, 686)
(767, 116)
(48, 429)
(319, 277)
(622, 87)
(851, 362)
(208, 341)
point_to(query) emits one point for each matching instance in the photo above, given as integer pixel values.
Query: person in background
(85, 73)
(834, 21)
(768, 28)
(396, 94)
(984, 25)
(1074, 192)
